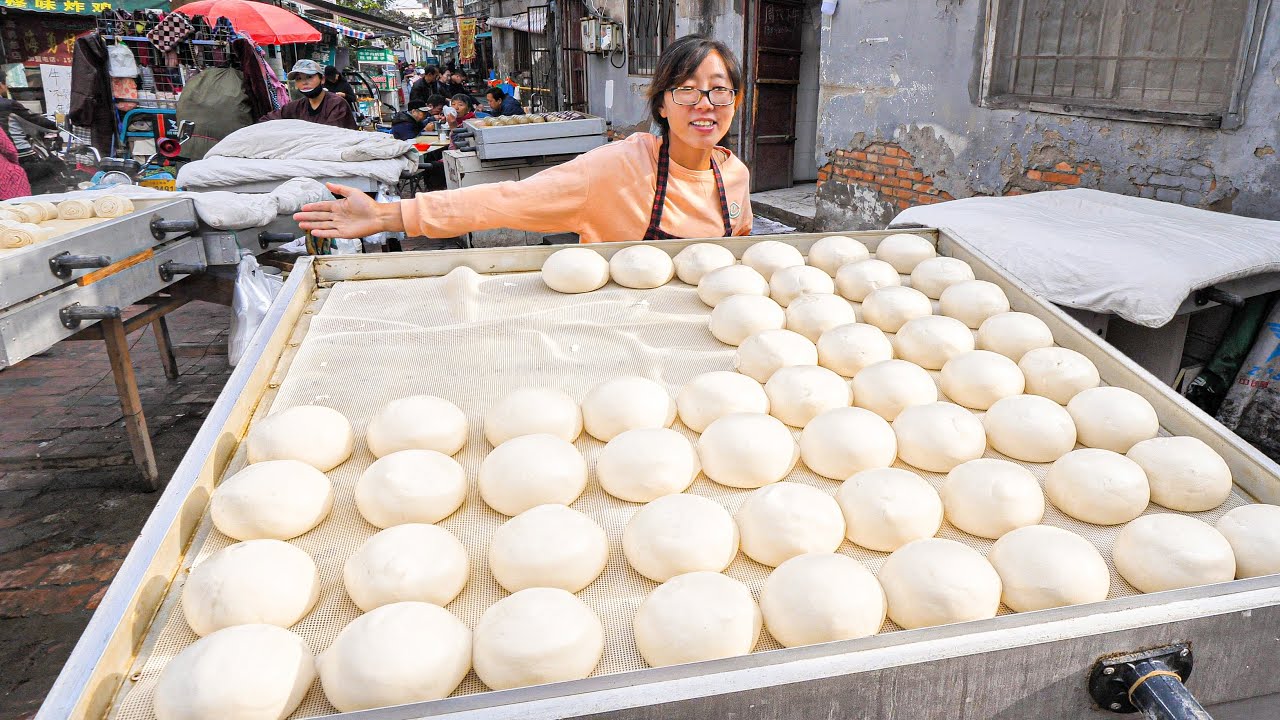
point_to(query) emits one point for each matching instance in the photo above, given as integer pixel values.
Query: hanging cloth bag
(120, 62)
(169, 32)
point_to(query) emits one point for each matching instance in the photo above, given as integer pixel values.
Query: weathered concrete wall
(899, 123)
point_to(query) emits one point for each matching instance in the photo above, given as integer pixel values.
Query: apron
(660, 197)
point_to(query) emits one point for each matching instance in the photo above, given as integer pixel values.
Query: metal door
(574, 63)
(542, 63)
(776, 76)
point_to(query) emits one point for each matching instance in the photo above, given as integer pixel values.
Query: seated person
(463, 108)
(409, 124)
(501, 103)
(335, 83)
(436, 111)
(316, 104)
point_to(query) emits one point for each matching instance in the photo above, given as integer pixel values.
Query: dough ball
(643, 465)
(886, 508)
(760, 355)
(626, 403)
(800, 393)
(247, 672)
(1185, 474)
(291, 435)
(697, 260)
(419, 422)
(849, 348)
(529, 411)
(251, 582)
(642, 267)
(1098, 486)
(931, 340)
(786, 519)
(889, 308)
(938, 436)
(537, 636)
(532, 470)
(548, 546)
(978, 378)
(1254, 534)
(713, 395)
(575, 270)
(789, 283)
(1167, 552)
(747, 450)
(989, 498)
(418, 562)
(1058, 373)
(1112, 418)
(738, 317)
(696, 616)
(936, 274)
(768, 256)
(731, 280)
(410, 486)
(1030, 428)
(276, 499)
(397, 654)
(813, 315)
(936, 582)
(905, 251)
(833, 252)
(973, 301)
(1013, 334)
(887, 388)
(821, 597)
(847, 440)
(857, 280)
(678, 534)
(1044, 567)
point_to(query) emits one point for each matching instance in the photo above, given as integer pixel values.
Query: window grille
(650, 29)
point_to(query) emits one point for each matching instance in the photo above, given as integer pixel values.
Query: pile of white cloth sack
(221, 209)
(282, 149)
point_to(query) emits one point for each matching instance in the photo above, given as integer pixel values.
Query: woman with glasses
(679, 184)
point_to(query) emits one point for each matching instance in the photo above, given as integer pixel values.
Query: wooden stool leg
(130, 403)
(160, 329)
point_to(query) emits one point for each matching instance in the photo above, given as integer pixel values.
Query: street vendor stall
(353, 334)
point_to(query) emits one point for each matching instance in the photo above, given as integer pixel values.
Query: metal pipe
(1159, 694)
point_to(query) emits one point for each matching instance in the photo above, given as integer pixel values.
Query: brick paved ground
(71, 502)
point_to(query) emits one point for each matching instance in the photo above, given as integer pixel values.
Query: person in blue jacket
(409, 124)
(501, 103)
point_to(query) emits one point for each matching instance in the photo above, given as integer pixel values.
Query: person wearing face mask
(677, 184)
(316, 104)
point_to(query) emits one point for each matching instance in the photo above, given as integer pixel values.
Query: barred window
(651, 27)
(1175, 61)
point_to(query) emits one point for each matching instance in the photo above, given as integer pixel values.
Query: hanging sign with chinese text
(466, 39)
(84, 7)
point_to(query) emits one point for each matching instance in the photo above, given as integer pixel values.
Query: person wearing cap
(335, 83)
(409, 124)
(316, 104)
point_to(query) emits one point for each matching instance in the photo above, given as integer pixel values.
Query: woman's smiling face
(701, 125)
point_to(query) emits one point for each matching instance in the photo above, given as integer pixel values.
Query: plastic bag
(1252, 405)
(385, 195)
(254, 291)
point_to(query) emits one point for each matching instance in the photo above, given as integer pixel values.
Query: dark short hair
(436, 99)
(463, 97)
(680, 61)
(430, 70)
(496, 93)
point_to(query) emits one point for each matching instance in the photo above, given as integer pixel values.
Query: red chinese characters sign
(35, 41)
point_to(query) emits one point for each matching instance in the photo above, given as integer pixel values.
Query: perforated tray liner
(472, 339)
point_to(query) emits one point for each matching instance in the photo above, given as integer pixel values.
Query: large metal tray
(536, 131)
(1009, 666)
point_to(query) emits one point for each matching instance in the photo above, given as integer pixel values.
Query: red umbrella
(266, 24)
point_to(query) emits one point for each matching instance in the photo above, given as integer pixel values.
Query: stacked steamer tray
(543, 134)
(353, 334)
(84, 269)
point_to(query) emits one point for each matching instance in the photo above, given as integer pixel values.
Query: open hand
(353, 215)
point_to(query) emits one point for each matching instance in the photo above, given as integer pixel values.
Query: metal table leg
(117, 341)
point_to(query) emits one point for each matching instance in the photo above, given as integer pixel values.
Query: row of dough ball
(578, 270)
(410, 651)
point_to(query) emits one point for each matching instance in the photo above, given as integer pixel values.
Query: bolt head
(1116, 706)
(1108, 671)
(1185, 652)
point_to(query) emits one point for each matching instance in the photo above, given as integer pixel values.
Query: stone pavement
(71, 501)
(796, 206)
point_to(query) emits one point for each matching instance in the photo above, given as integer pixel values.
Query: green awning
(83, 7)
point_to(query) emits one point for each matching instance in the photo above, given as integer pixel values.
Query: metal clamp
(74, 314)
(170, 268)
(1150, 682)
(265, 238)
(63, 263)
(161, 227)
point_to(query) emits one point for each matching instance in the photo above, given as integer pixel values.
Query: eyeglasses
(719, 96)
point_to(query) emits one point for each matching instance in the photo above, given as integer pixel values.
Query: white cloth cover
(1108, 253)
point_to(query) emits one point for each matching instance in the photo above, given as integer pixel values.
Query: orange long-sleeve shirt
(603, 195)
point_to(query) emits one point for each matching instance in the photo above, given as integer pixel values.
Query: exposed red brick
(873, 158)
(894, 151)
(858, 155)
(877, 148)
(1033, 174)
(906, 163)
(905, 183)
(1061, 178)
(922, 187)
(891, 161)
(927, 199)
(1064, 166)
(914, 174)
(903, 204)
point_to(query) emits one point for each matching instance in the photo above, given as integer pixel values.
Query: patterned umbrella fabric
(266, 24)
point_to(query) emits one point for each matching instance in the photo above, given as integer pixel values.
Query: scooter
(159, 170)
